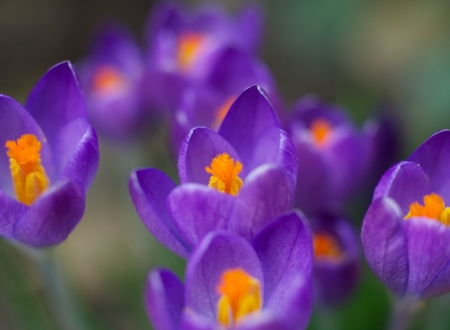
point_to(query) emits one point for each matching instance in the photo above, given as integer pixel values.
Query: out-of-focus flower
(231, 283)
(333, 155)
(112, 75)
(184, 46)
(336, 259)
(405, 233)
(238, 179)
(49, 162)
(207, 104)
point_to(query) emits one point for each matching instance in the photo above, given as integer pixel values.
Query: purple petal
(384, 243)
(428, 251)
(217, 253)
(405, 182)
(12, 210)
(54, 103)
(249, 116)
(440, 284)
(164, 299)
(261, 321)
(267, 192)
(198, 150)
(251, 23)
(14, 122)
(197, 210)
(83, 163)
(149, 189)
(193, 321)
(284, 248)
(275, 147)
(53, 216)
(433, 156)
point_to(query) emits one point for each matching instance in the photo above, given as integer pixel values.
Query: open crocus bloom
(405, 233)
(232, 284)
(185, 45)
(336, 259)
(333, 155)
(112, 73)
(49, 160)
(238, 179)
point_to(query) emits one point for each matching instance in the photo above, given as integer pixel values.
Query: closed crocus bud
(112, 74)
(333, 154)
(237, 179)
(49, 160)
(234, 284)
(405, 233)
(336, 259)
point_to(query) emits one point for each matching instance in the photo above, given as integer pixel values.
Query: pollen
(222, 111)
(239, 296)
(224, 174)
(320, 130)
(189, 45)
(27, 173)
(107, 79)
(326, 247)
(433, 208)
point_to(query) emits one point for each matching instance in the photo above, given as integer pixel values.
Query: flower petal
(53, 216)
(433, 156)
(197, 210)
(428, 251)
(149, 189)
(285, 250)
(267, 192)
(193, 321)
(216, 253)
(405, 182)
(198, 150)
(384, 243)
(249, 116)
(164, 299)
(12, 210)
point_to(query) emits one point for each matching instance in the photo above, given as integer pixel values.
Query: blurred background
(354, 52)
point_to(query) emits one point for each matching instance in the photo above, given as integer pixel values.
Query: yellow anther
(239, 296)
(189, 44)
(27, 173)
(107, 79)
(224, 174)
(433, 208)
(320, 129)
(326, 247)
(222, 112)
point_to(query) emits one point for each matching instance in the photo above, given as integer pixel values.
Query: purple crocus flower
(333, 155)
(405, 232)
(231, 283)
(206, 104)
(184, 46)
(112, 75)
(49, 162)
(238, 179)
(336, 259)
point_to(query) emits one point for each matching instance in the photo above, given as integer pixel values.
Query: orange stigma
(222, 112)
(433, 208)
(107, 79)
(189, 44)
(224, 174)
(239, 296)
(326, 247)
(28, 174)
(320, 130)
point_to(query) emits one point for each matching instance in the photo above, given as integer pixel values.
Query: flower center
(326, 247)
(239, 296)
(224, 174)
(108, 79)
(222, 111)
(320, 130)
(189, 44)
(27, 173)
(433, 208)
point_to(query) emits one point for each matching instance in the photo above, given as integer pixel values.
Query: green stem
(403, 310)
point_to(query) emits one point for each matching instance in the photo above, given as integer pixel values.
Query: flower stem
(402, 313)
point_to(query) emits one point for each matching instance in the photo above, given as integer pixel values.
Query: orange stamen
(326, 247)
(320, 130)
(224, 174)
(108, 79)
(28, 174)
(189, 44)
(240, 296)
(222, 112)
(433, 208)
